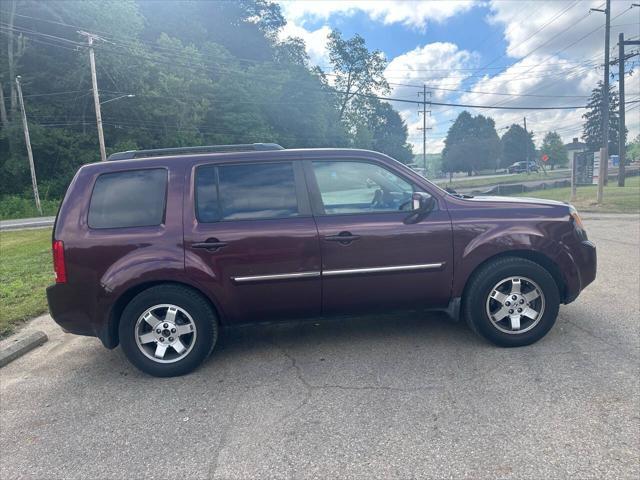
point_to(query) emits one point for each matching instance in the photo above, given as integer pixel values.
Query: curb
(13, 348)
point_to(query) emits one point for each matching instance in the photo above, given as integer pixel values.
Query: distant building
(576, 146)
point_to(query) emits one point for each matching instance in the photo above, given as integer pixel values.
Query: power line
(562, 12)
(488, 93)
(575, 42)
(161, 48)
(576, 70)
(403, 100)
(434, 103)
(180, 55)
(51, 94)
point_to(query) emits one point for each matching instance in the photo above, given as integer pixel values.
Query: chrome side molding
(277, 276)
(394, 268)
(336, 273)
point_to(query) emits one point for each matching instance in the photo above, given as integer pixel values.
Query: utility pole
(621, 134)
(424, 124)
(96, 98)
(27, 140)
(527, 156)
(604, 150)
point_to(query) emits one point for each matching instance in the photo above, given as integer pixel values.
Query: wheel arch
(537, 257)
(110, 337)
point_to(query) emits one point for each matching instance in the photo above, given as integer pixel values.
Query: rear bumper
(586, 261)
(69, 311)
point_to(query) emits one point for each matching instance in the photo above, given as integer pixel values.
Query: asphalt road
(385, 396)
(26, 223)
(462, 177)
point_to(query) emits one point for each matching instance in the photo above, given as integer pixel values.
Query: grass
(489, 182)
(14, 206)
(616, 199)
(25, 271)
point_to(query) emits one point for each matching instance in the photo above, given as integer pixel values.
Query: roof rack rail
(158, 152)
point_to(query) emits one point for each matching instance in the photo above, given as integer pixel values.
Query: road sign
(545, 158)
(584, 168)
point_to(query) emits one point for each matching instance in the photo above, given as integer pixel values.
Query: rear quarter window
(132, 198)
(246, 192)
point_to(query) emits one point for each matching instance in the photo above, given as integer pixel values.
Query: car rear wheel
(511, 302)
(168, 330)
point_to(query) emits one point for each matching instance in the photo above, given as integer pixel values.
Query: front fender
(540, 242)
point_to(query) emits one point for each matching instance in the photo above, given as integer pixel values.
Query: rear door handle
(343, 237)
(210, 244)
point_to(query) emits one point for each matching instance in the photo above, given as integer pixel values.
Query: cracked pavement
(378, 396)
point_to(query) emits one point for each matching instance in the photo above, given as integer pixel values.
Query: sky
(482, 52)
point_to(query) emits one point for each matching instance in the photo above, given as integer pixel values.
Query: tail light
(59, 266)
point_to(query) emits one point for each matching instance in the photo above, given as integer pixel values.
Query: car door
(375, 252)
(251, 241)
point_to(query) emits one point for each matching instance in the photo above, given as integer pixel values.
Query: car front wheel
(168, 330)
(511, 302)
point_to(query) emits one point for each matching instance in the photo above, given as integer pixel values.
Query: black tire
(481, 286)
(203, 316)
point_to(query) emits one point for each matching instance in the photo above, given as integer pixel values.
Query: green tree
(633, 150)
(592, 128)
(472, 144)
(554, 148)
(357, 70)
(516, 145)
(201, 72)
(248, 29)
(389, 132)
(62, 126)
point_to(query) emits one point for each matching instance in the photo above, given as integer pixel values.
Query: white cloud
(548, 27)
(406, 12)
(426, 64)
(560, 47)
(315, 41)
(567, 59)
(558, 82)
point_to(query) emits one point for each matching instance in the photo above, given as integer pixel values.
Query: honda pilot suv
(156, 251)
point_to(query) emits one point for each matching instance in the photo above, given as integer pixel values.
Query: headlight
(577, 222)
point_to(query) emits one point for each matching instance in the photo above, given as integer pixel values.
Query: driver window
(358, 187)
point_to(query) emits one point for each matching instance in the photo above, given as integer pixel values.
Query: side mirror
(422, 202)
(421, 205)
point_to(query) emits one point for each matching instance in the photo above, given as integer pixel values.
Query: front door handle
(210, 244)
(344, 238)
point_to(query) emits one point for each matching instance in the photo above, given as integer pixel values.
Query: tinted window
(246, 192)
(133, 198)
(356, 187)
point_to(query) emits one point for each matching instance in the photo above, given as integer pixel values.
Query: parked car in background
(157, 250)
(521, 167)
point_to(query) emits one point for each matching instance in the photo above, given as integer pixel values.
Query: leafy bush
(15, 206)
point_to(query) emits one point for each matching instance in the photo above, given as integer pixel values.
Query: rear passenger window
(239, 192)
(133, 198)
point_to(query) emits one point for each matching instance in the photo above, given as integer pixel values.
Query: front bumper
(586, 261)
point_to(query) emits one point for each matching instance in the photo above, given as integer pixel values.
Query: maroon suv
(157, 250)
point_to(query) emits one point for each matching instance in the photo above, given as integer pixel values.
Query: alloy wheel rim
(515, 305)
(165, 333)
